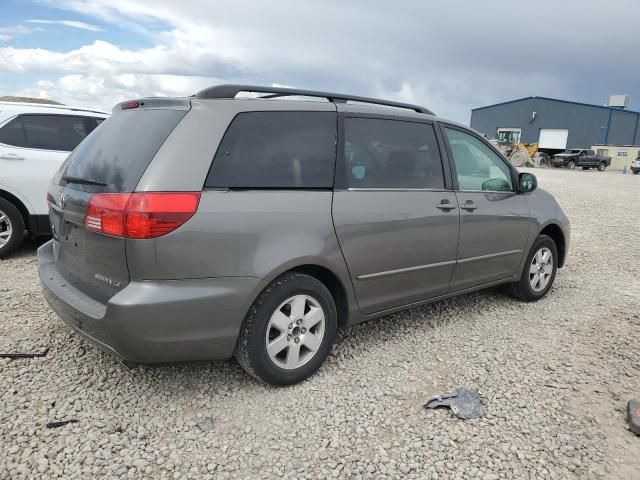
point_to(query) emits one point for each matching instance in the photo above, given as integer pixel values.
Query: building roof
(556, 100)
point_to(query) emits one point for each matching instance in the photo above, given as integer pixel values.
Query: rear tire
(11, 228)
(601, 167)
(288, 331)
(538, 274)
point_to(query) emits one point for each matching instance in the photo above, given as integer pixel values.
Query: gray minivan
(217, 225)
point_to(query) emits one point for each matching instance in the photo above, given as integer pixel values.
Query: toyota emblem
(61, 199)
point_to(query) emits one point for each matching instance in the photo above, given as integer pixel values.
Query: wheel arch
(554, 231)
(19, 204)
(329, 278)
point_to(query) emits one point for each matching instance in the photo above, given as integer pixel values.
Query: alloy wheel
(295, 332)
(541, 269)
(6, 230)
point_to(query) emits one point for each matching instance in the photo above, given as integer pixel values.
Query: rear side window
(391, 154)
(122, 148)
(54, 132)
(276, 150)
(13, 133)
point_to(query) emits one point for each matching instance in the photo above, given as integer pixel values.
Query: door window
(54, 132)
(477, 167)
(276, 150)
(13, 133)
(391, 154)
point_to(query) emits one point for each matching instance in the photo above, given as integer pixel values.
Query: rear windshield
(119, 151)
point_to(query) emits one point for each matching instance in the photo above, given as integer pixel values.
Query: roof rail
(230, 91)
(51, 105)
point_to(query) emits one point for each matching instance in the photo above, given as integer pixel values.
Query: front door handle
(12, 156)
(469, 205)
(446, 205)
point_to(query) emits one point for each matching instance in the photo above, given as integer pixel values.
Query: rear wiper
(83, 181)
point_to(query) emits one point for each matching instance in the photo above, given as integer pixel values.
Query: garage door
(553, 138)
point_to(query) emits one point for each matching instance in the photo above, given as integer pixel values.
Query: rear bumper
(155, 321)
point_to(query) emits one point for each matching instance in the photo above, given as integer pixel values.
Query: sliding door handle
(469, 205)
(446, 205)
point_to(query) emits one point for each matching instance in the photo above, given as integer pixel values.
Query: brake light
(140, 215)
(151, 215)
(130, 105)
(50, 197)
(105, 213)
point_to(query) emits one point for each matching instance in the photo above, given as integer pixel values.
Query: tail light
(140, 215)
(50, 197)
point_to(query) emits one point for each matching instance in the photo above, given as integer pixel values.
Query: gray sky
(448, 56)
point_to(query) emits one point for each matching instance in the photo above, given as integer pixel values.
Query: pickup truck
(581, 158)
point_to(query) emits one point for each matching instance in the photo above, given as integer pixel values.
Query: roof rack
(230, 91)
(51, 105)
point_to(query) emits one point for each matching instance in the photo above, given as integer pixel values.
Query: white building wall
(620, 155)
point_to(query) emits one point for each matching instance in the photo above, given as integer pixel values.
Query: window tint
(122, 148)
(276, 150)
(54, 132)
(13, 133)
(391, 154)
(477, 166)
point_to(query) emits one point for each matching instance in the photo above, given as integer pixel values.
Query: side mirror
(496, 185)
(527, 182)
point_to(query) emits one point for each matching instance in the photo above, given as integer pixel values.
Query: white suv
(34, 140)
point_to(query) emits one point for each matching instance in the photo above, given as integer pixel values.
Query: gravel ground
(555, 378)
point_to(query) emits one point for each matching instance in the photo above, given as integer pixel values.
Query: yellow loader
(527, 155)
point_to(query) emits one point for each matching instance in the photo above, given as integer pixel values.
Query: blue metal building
(550, 122)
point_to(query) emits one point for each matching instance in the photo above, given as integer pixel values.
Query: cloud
(8, 33)
(68, 23)
(104, 92)
(449, 56)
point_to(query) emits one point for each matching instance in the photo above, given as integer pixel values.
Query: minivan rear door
(396, 221)
(111, 160)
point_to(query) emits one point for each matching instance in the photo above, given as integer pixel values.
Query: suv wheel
(288, 331)
(11, 228)
(601, 167)
(539, 271)
(571, 165)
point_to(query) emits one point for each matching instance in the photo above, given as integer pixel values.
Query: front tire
(539, 271)
(571, 165)
(11, 228)
(288, 331)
